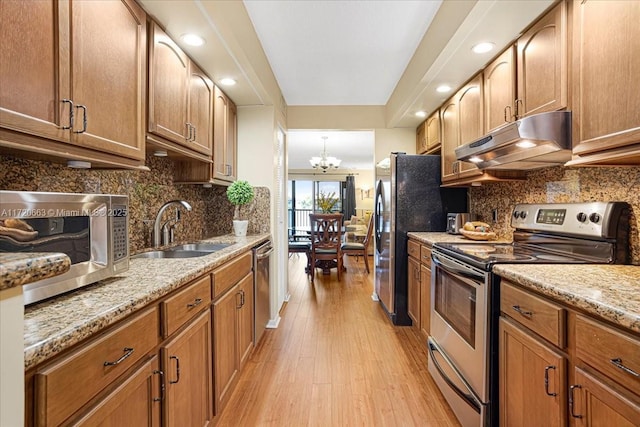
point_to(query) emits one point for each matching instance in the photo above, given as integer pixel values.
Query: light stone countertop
(55, 325)
(17, 269)
(429, 238)
(611, 292)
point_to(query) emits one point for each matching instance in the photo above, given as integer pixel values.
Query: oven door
(459, 318)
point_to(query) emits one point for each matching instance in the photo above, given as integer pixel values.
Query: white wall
(394, 140)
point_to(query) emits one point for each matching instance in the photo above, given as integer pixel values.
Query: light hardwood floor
(336, 360)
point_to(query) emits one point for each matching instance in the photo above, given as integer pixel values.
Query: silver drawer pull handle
(70, 102)
(521, 311)
(84, 118)
(195, 303)
(546, 380)
(617, 362)
(128, 351)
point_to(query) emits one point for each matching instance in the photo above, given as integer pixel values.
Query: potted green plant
(239, 194)
(326, 202)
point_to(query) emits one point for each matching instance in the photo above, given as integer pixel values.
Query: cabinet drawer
(542, 317)
(609, 351)
(231, 273)
(413, 249)
(425, 255)
(64, 387)
(185, 304)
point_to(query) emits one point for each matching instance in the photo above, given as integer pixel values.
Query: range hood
(532, 142)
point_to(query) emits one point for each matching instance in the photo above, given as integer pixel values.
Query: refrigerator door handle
(379, 220)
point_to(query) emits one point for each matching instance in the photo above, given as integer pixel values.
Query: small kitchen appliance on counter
(455, 221)
(465, 294)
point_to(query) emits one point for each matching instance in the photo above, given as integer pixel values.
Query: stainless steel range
(465, 294)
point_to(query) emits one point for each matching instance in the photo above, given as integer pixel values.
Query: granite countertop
(17, 269)
(55, 325)
(611, 292)
(429, 238)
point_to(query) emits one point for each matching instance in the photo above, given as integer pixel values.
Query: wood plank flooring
(336, 360)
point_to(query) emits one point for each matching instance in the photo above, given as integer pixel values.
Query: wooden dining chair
(326, 238)
(357, 248)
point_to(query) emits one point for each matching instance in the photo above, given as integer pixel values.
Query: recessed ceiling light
(227, 82)
(443, 89)
(483, 47)
(421, 114)
(192, 39)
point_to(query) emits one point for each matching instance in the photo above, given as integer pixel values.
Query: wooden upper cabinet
(200, 110)
(450, 138)
(421, 138)
(606, 66)
(471, 120)
(80, 58)
(224, 137)
(542, 65)
(499, 90)
(168, 68)
(433, 131)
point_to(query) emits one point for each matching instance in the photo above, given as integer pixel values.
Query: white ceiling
(339, 52)
(354, 148)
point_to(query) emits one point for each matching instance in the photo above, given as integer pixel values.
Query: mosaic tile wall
(558, 185)
(211, 215)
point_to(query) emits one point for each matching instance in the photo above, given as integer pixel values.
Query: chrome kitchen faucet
(163, 234)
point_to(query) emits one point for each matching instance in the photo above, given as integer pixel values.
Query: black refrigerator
(408, 198)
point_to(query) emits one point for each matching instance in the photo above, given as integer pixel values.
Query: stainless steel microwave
(91, 229)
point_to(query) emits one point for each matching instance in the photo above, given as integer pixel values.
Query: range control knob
(582, 217)
(516, 214)
(523, 214)
(594, 217)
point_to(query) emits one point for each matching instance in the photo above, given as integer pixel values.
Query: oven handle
(470, 398)
(457, 270)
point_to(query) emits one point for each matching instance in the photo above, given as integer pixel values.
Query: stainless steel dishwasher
(262, 313)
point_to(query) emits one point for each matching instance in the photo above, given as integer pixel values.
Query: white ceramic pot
(240, 227)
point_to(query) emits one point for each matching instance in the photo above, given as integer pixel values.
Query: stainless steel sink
(204, 247)
(170, 253)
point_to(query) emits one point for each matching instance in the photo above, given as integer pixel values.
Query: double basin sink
(190, 250)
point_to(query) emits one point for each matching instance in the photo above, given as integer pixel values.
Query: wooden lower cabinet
(186, 361)
(245, 320)
(425, 300)
(532, 380)
(414, 294)
(136, 402)
(594, 403)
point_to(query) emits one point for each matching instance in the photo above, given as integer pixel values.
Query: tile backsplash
(211, 215)
(561, 185)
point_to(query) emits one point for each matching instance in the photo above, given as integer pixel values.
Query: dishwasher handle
(263, 255)
(263, 251)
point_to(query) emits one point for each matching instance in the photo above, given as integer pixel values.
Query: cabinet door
(470, 114)
(245, 320)
(606, 66)
(224, 348)
(200, 110)
(108, 59)
(542, 65)
(421, 138)
(450, 139)
(413, 291)
(532, 380)
(433, 131)
(232, 142)
(186, 362)
(597, 404)
(136, 402)
(499, 90)
(425, 300)
(220, 131)
(34, 68)
(168, 70)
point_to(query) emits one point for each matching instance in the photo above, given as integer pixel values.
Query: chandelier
(324, 162)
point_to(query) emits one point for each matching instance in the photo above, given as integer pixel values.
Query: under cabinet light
(78, 164)
(160, 153)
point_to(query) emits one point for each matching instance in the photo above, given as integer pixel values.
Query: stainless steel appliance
(465, 294)
(89, 228)
(455, 221)
(261, 256)
(408, 198)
